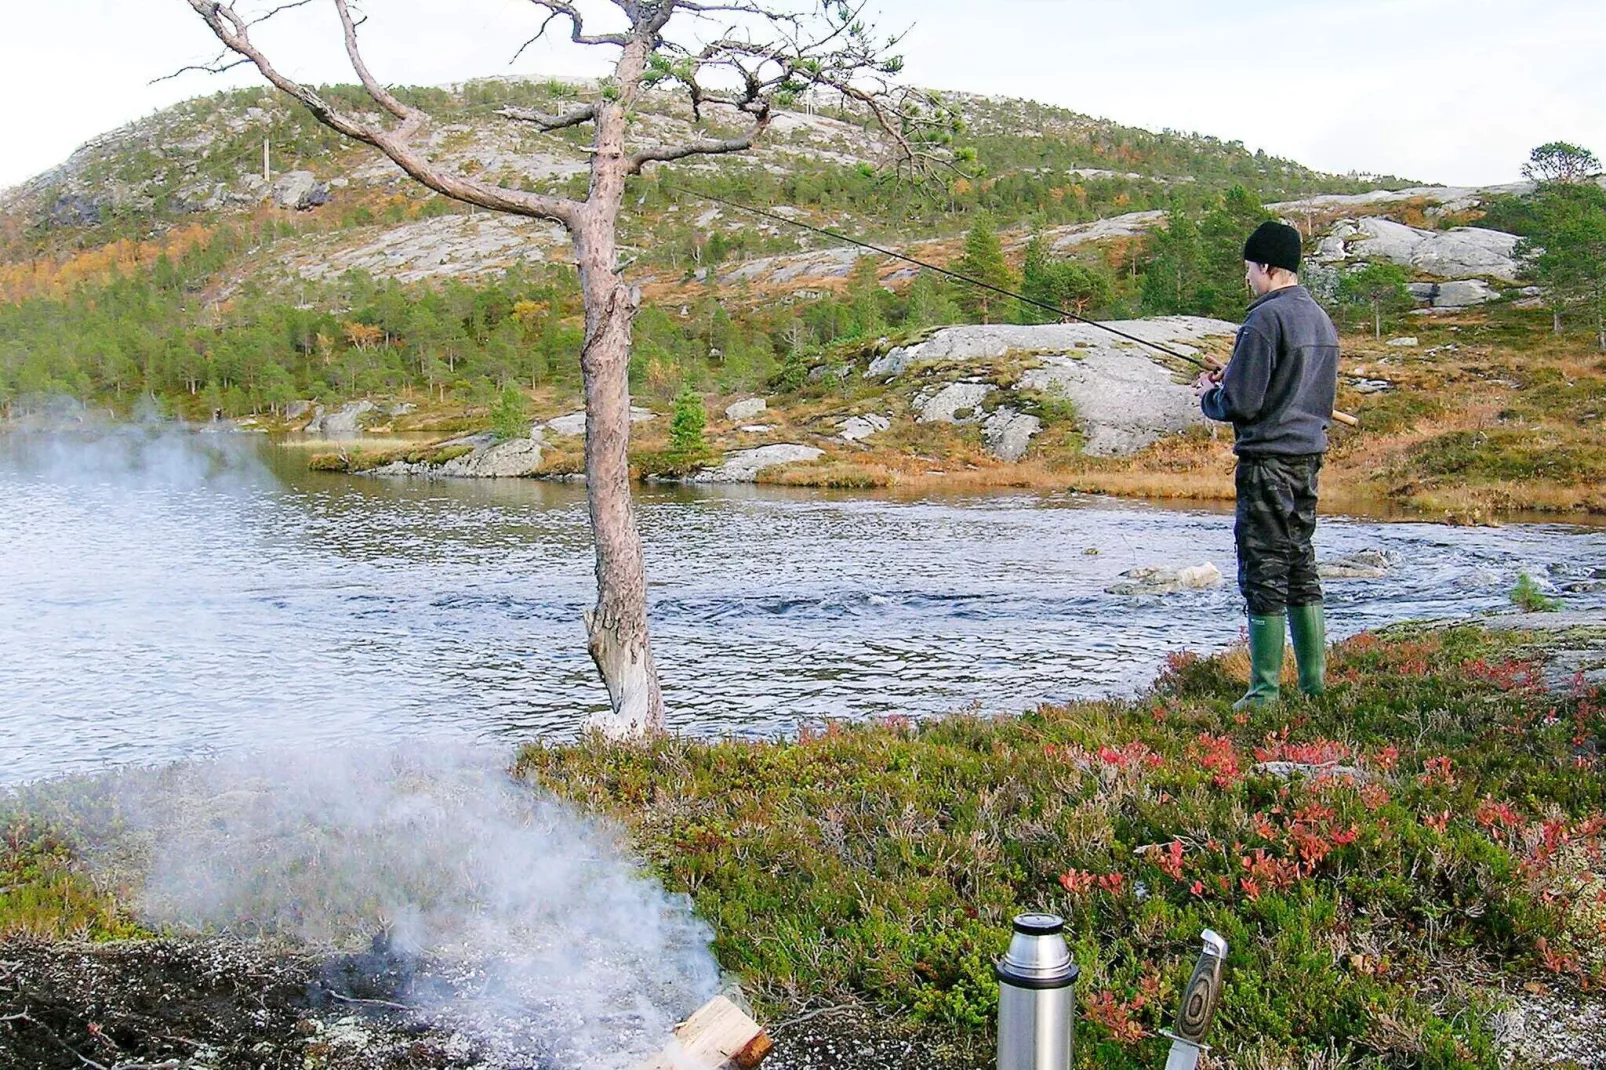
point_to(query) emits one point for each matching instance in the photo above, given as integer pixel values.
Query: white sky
(1452, 91)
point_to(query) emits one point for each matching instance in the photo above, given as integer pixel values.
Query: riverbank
(1398, 866)
(1476, 414)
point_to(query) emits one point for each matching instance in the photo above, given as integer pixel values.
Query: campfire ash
(477, 904)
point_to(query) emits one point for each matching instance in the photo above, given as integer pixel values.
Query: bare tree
(741, 58)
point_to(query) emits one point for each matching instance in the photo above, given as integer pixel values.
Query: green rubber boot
(1308, 625)
(1265, 661)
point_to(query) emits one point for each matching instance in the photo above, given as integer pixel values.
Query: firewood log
(718, 1036)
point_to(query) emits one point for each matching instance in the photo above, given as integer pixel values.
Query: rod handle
(1346, 419)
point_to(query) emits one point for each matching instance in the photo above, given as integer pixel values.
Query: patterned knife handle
(1203, 993)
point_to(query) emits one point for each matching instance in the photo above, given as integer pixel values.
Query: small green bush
(686, 425)
(1529, 598)
(508, 417)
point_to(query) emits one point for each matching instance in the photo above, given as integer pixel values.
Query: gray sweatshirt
(1279, 388)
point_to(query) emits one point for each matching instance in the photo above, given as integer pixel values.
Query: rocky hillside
(334, 294)
(202, 163)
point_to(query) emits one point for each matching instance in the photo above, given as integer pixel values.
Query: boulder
(1402, 343)
(1460, 293)
(1008, 433)
(297, 409)
(1366, 564)
(73, 210)
(344, 422)
(574, 423)
(756, 429)
(1154, 581)
(299, 190)
(1330, 250)
(1125, 395)
(743, 466)
(1458, 253)
(855, 428)
(956, 403)
(517, 457)
(744, 411)
(892, 363)
(1464, 293)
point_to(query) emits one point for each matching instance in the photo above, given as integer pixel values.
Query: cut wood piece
(719, 1034)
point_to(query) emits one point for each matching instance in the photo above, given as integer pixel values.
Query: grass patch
(881, 863)
(1507, 455)
(45, 893)
(836, 475)
(670, 464)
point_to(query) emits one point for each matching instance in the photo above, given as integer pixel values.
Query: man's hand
(1207, 382)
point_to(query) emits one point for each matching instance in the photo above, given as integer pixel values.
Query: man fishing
(1278, 392)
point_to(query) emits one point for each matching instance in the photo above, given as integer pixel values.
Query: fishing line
(1342, 417)
(777, 217)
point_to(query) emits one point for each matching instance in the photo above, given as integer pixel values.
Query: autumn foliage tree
(736, 61)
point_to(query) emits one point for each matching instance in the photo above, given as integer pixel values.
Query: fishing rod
(957, 276)
(1209, 366)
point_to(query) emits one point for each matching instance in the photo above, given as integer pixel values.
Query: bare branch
(217, 66)
(548, 123)
(234, 32)
(411, 117)
(739, 8)
(576, 25)
(700, 148)
(266, 15)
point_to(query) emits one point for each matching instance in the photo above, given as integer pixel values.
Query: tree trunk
(1377, 319)
(1555, 320)
(617, 627)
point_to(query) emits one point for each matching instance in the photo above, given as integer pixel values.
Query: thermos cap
(1037, 956)
(1039, 924)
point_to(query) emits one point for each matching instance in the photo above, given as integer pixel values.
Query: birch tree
(734, 60)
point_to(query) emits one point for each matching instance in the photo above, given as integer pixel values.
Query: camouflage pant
(1276, 519)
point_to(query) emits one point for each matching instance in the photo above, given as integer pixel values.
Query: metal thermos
(1036, 997)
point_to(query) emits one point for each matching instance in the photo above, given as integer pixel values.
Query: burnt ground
(221, 1004)
(217, 1004)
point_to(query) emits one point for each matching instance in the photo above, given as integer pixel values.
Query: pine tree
(1381, 287)
(1036, 281)
(984, 261)
(1222, 233)
(1171, 283)
(1566, 253)
(508, 416)
(686, 425)
(1068, 285)
(930, 304)
(864, 284)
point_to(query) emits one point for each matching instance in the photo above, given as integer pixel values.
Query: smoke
(65, 443)
(490, 907)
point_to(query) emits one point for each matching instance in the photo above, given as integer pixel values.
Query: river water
(167, 595)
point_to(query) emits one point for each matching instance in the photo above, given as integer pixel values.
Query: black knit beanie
(1275, 245)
